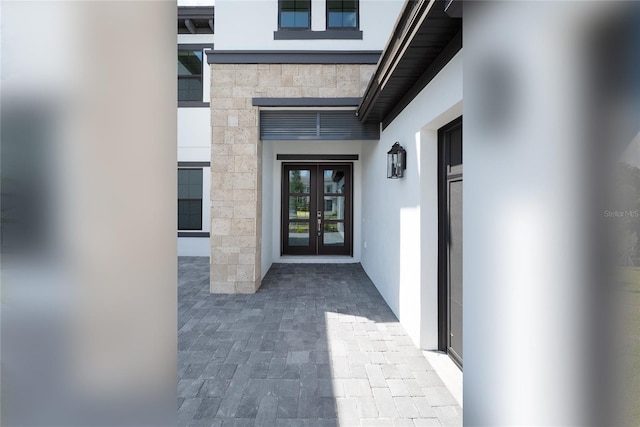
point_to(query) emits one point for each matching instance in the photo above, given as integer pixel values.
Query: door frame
(443, 276)
(314, 183)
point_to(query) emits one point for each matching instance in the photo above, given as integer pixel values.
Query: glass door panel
(298, 203)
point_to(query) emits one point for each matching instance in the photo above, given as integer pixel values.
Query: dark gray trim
(327, 124)
(195, 46)
(454, 8)
(194, 164)
(194, 234)
(193, 104)
(195, 11)
(292, 57)
(318, 35)
(317, 157)
(189, 15)
(434, 68)
(306, 102)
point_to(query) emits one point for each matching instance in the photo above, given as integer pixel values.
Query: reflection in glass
(342, 13)
(295, 13)
(333, 234)
(334, 181)
(334, 207)
(298, 234)
(298, 207)
(299, 181)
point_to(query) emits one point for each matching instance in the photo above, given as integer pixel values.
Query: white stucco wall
(249, 25)
(194, 145)
(194, 134)
(400, 217)
(272, 191)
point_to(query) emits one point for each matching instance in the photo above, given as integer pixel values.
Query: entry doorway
(317, 209)
(450, 239)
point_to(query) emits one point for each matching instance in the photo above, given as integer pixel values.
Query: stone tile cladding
(236, 155)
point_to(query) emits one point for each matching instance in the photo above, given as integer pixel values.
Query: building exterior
(306, 99)
(195, 36)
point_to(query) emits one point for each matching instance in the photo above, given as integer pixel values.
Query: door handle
(319, 229)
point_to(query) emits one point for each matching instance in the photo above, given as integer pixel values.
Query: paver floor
(315, 346)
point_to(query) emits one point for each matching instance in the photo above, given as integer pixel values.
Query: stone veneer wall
(236, 155)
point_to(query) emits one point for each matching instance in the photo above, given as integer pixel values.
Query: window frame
(281, 28)
(193, 48)
(201, 169)
(357, 26)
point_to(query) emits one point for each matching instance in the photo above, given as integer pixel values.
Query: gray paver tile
(406, 408)
(439, 396)
(397, 387)
(424, 422)
(315, 346)
(384, 402)
(424, 407)
(449, 415)
(189, 387)
(366, 407)
(267, 411)
(287, 407)
(356, 387)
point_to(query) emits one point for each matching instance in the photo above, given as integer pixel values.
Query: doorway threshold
(317, 259)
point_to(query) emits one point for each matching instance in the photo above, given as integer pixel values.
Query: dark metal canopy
(425, 38)
(195, 20)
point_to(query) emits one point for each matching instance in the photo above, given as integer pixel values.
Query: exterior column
(236, 188)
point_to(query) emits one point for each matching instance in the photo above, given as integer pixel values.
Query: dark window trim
(328, 157)
(294, 29)
(292, 57)
(356, 28)
(195, 46)
(198, 165)
(306, 102)
(192, 47)
(194, 234)
(331, 34)
(196, 12)
(193, 104)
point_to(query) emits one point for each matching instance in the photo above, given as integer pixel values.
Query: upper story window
(189, 199)
(342, 14)
(189, 75)
(295, 14)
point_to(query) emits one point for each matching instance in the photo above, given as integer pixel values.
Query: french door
(317, 203)
(450, 271)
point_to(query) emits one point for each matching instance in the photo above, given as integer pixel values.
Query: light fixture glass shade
(396, 161)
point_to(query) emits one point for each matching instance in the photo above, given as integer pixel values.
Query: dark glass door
(451, 289)
(317, 209)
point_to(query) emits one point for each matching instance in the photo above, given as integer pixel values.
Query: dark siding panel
(317, 125)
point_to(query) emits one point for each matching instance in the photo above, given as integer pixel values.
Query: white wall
(272, 191)
(194, 134)
(400, 217)
(194, 144)
(249, 25)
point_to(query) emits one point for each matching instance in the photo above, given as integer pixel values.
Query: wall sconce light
(396, 161)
